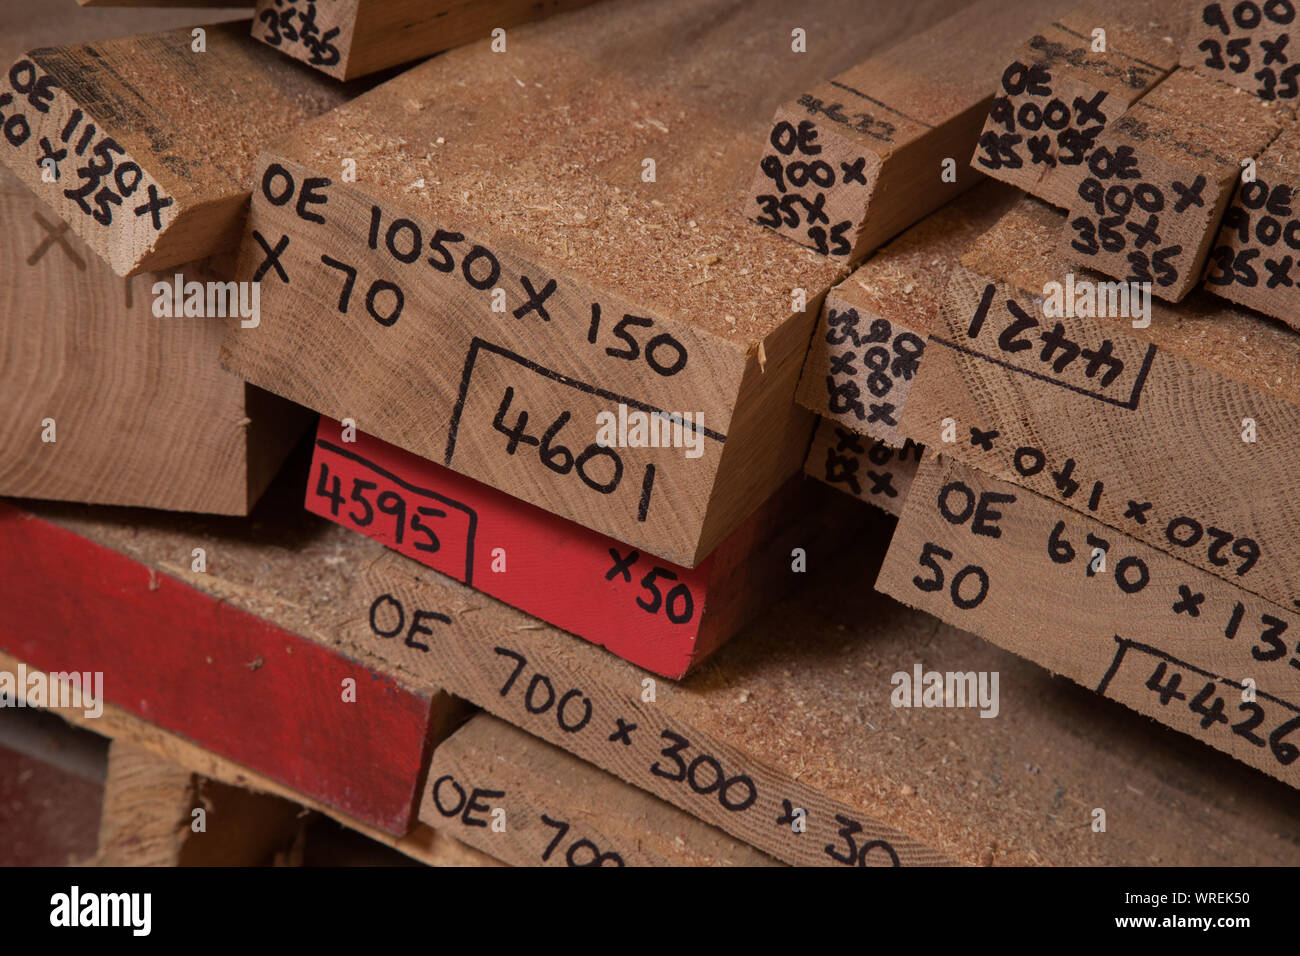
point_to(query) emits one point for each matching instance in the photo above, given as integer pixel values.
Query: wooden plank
(654, 295)
(1253, 258)
(1246, 45)
(420, 843)
(868, 469)
(1143, 430)
(847, 183)
(153, 143)
(1060, 92)
(350, 38)
(559, 810)
(243, 685)
(662, 616)
(873, 326)
(143, 414)
(149, 817)
(774, 724)
(146, 809)
(1138, 625)
(1161, 177)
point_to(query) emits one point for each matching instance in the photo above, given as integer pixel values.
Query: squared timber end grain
(1160, 178)
(818, 173)
(1254, 261)
(1053, 103)
(319, 35)
(1246, 45)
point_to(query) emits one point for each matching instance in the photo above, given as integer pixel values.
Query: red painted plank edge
(186, 661)
(552, 568)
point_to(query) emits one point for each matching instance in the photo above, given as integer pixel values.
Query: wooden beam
(873, 326)
(148, 177)
(146, 809)
(346, 39)
(139, 410)
(1144, 430)
(249, 681)
(865, 468)
(1060, 92)
(615, 290)
(775, 725)
(420, 843)
(855, 160)
(559, 810)
(662, 616)
(1160, 179)
(1253, 262)
(1135, 624)
(1244, 44)
(158, 814)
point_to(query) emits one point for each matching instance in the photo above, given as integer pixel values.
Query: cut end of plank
(1059, 94)
(145, 144)
(872, 331)
(318, 34)
(867, 469)
(1245, 45)
(73, 162)
(1160, 178)
(1254, 259)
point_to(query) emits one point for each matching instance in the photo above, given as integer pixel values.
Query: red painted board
(658, 615)
(640, 607)
(188, 662)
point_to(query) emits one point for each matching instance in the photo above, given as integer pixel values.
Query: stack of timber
(896, 130)
(1154, 487)
(790, 739)
(869, 344)
(874, 324)
(1072, 122)
(1128, 481)
(1065, 86)
(1192, 146)
(265, 695)
(494, 278)
(464, 327)
(1161, 178)
(664, 617)
(522, 245)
